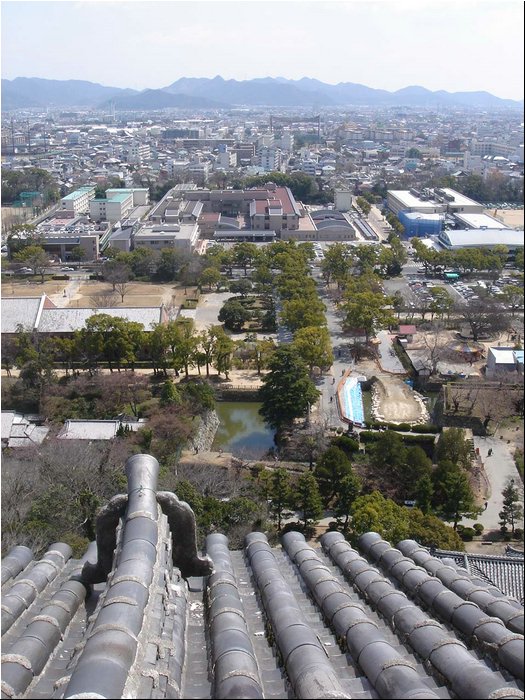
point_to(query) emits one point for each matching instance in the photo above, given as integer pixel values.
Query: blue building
(417, 224)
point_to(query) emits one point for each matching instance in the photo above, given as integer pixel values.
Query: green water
(242, 431)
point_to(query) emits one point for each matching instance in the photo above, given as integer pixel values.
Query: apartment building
(78, 201)
(138, 153)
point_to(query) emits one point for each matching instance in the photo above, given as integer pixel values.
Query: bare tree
(116, 272)
(105, 299)
(122, 288)
(484, 318)
(435, 342)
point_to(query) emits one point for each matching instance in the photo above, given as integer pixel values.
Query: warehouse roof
(143, 614)
(482, 237)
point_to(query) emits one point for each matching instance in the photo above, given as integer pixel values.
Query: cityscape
(262, 352)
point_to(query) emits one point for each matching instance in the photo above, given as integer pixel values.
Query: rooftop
(144, 614)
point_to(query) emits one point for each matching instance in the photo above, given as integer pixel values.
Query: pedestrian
(333, 380)
(486, 505)
(339, 352)
(342, 372)
(331, 399)
(490, 452)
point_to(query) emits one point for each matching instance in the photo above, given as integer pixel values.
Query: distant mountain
(39, 92)
(260, 91)
(160, 99)
(202, 93)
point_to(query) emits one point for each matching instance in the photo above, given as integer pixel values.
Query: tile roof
(20, 311)
(70, 319)
(144, 615)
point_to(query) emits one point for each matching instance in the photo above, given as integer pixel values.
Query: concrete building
(79, 200)
(343, 200)
(112, 209)
(183, 236)
(269, 158)
(417, 224)
(138, 153)
(438, 201)
(482, 238)
(504, 360)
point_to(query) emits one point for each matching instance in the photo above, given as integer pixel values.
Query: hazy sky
(445, 44)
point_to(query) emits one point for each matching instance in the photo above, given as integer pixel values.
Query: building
(478, 221)
(79, 200)
(482, 238)
(145, 614)
(138, 153)
(183, 236)
(343, 200)
(504, 360)
(118, 203)
(438, 201)
(269, 158)
(417, 224)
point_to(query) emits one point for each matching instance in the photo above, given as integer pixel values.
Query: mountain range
(210, 93)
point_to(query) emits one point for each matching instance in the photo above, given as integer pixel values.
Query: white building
(504, 360)
(438, 201)
(343, 200)
(138, 153)
(269, 158)
(160, 236)
(78, 201)
(118, 203)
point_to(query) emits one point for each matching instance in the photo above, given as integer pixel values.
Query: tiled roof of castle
(143, 615)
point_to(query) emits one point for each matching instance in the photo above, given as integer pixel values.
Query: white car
(67, 269)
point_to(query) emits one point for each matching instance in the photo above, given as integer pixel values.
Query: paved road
(388, 359)
(500, 468)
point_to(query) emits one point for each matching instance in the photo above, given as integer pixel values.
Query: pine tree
(309, 499)
(512, 510)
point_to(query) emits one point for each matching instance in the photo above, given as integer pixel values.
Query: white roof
(459, 199)
(96, 429)
(485, 237)
(503, 356)
(68, 320)
(479, 221)
(20, 311)
(409, 200)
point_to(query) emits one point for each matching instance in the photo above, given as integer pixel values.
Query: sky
(454, 45)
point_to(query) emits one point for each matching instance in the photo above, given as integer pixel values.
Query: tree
(512, 297)
(77, 254)
(245, 255)
(302, 312)
(332, 466)
(223, 348)
(336, 263)
(453, 447)
(348, 490)
(122, 288)
(169, 394)
(210, 277)
(423, 492)
(308, 499)
(376, 513)
(35, 257)
(116, 272)
(484, 317)
(234, 315)
(366, 311)
(458, 498)
(242, 287)
(512, 510)
(312, 344)
(279, 493)
(287, 391)
(111, 339)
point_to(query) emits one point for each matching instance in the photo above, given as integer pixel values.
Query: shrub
(425, 428)
(467, 534)
(369, 436)
(347, 444)
(478, 527)
(518, 534)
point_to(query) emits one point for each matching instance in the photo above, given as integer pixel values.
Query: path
(500, 468)
(388, 359)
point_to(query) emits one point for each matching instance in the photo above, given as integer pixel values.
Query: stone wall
(203, 438)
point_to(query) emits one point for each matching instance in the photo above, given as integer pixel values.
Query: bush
(60, 277)
(425, 428)
(518, 534)
(418, 439)
(369, 436)
(478, 527)
(345, 443)
(467, 534)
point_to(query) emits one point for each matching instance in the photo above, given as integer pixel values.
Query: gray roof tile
(297, 621)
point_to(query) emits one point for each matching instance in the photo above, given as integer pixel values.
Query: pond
(242, 431)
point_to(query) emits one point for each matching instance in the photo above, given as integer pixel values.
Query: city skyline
(475, 45)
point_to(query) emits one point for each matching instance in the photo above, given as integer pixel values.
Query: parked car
(67, 269)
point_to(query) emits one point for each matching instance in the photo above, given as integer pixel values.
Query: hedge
(370, 436)
(347, 444)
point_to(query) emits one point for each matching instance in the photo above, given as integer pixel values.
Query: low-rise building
(504, 360)
(160, 236)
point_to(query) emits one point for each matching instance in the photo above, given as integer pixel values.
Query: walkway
(500, 468)
(388, 360)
